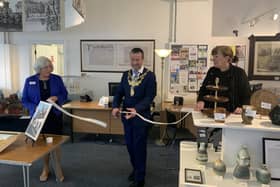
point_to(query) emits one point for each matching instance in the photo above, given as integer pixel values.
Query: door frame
(46, 42)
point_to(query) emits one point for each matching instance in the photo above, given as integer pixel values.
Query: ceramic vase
(219, 167)
(242, 169)
(202, 155)
(263, 175)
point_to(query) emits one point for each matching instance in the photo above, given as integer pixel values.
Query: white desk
(235, 134)
(188, 152)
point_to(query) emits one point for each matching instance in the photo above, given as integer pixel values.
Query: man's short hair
(137, 50)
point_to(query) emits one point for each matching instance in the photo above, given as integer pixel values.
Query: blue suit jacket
(31, 92)
(144, 94)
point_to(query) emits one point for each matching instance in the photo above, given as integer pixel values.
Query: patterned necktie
(135, 74)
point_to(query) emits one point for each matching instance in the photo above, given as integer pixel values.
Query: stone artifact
(246, 115)
(274, 115)
(11, 105)
(219, 167)
(264, 101)
(242, 169)
(263, 175)
(3, 106)
(202, 155)
(15, 105)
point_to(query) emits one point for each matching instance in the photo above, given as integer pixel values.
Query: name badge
(32, 82)
(250, 113)
(219, 116)
(265, 105)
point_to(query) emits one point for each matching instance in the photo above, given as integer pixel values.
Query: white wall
(228, 16)
(125, 19)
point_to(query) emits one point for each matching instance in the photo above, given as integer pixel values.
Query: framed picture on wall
(113, 55)
(264, 58)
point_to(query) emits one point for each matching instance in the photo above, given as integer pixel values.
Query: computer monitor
(113, 86)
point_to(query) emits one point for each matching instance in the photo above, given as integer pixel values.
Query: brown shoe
(44, 176)
(61, 179)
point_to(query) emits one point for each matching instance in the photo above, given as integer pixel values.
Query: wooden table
(93, 110)
(24, 154)
(179, 111)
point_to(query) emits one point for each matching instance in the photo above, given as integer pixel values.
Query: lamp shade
(163, 53)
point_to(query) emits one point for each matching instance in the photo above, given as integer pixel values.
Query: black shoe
(137, 184)
(131, 177)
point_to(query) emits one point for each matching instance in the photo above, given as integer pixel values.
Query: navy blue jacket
(143, 97)
(31, 92)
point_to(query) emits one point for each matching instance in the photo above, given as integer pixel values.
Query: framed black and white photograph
(38, 120)
(113, 55)
(193, 176)
(42, 15)
(271, 152)
(79, 6)
(264, 58)
(11, 16)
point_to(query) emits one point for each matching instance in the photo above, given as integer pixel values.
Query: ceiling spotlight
(253, 22)
(1, 4)
(275, 16)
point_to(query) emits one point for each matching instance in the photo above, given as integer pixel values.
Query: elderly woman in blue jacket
(40, 87)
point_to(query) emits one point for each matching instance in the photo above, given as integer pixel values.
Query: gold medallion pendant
(135, 82)
(132, 91)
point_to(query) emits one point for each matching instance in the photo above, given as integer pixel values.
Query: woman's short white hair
(40, 63)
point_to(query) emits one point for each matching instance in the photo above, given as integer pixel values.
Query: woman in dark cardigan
(230, 76)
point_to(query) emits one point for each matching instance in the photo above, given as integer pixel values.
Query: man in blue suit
(137, 91)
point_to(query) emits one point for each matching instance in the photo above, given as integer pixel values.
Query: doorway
(55, 52)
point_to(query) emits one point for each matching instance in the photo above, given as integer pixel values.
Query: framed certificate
(193, 176)
(113, 55)
(271, 152)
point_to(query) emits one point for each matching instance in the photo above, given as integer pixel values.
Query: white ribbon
(90, 120)
(103, 124)
(155, 122)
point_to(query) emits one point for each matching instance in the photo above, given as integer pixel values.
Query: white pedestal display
(188, 151)
(234, 135)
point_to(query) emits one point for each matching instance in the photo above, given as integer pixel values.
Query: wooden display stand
(215, 99)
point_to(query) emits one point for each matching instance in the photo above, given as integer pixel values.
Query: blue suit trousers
(136, 135)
